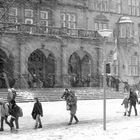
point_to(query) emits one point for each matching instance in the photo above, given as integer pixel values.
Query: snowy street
(90, 127)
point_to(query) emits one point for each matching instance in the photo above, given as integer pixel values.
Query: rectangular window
(133, 66)
(133, 71)
(13, 11)
(134, 7)
(44, 15)
(73, 18)
(119, 8)
(29, 28)
(68, 20)
(12, 17)
(63, 17)
(44, 22)
(28, 13)
(96, 26)
(28, 21)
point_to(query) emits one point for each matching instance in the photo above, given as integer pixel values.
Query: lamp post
(104, 33)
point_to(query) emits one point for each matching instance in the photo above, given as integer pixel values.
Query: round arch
(80, 68)
(41, 67)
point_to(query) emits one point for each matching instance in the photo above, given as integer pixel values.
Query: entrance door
(41, 66)
(79, 69)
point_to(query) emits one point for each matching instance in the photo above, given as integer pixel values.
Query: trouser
(134, 105)
(126, 109)
(73, 116)
(6, 121)
(16, 122)
(38, 120)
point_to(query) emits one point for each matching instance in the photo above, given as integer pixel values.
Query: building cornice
(72, 5)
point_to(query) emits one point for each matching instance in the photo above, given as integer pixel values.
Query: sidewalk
(90, 114)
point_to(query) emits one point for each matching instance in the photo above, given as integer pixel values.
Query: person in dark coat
(125, 103)
(133, 100)
(4, 109)
(14, 112)
(72, 101)
(37, 112)
(65, 97)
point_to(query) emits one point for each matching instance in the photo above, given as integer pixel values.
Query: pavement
(90, 114)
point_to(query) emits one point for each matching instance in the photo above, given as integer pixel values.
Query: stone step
(54, 94)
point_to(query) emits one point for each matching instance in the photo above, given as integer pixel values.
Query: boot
(71, 118)
(1, 129)
(129, 113)
(76, 119)
(136, 114)
(40, 126)
(12, 129)
(124, 113)
(35, 127)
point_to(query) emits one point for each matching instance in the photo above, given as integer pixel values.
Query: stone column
(22, 77)
(65, 76)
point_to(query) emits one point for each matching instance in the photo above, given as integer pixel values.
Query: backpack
(20, 112)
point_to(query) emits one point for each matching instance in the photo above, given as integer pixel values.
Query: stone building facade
(55, 43)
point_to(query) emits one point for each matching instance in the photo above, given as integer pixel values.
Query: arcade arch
(41, 67)
(79, 67)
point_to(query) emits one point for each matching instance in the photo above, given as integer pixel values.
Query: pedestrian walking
(15, 111)
(125, 103)
(65, 97)
(4, 109)
(133, 98)
(37, 113)
(11, 94)
(72, 101)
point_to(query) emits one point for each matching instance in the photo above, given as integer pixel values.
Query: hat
(9, 90)
(13, 90)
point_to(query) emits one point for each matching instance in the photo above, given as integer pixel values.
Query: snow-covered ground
(90, 127)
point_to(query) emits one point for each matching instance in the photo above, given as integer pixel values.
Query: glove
(41, 115)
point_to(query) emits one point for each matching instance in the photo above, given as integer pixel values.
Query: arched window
(41, 63)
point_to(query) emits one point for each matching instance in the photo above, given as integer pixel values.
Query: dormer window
(126, 29)
(101, 22)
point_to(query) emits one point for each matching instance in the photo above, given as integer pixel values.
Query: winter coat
(4, 110)
(125, 102)
(133, 98)
(14, 111)
(37, 109)
(65, 95)
(72, 101)
(11, 95)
